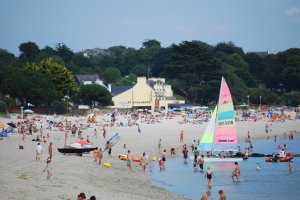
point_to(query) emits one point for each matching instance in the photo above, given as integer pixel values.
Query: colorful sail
(206, 143)
(226, 132)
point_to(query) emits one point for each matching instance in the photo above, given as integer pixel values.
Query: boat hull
(75, 150)
(286, 159)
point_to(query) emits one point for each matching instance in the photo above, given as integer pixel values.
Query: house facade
(151, 94)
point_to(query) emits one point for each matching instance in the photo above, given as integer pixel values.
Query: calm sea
(272, 182)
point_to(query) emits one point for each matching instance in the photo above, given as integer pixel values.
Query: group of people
(82, 196)
(208, 194)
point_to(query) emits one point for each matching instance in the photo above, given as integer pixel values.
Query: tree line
(44, 77)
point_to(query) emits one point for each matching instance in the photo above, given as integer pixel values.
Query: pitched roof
(115, 90)
(89, 77)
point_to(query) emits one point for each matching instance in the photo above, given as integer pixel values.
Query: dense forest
(193, 68)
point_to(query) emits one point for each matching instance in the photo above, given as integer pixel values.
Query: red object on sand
(83, 142)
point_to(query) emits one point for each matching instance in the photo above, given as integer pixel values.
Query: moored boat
(289, 156)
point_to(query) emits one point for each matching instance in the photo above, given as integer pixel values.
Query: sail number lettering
(225, 123)
(225, 140)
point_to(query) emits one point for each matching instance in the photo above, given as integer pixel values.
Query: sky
(254, 25)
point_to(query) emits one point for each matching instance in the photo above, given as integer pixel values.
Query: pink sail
(226, 132)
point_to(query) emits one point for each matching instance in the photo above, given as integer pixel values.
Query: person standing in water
(222, 195)
(209, 173)
(201, 163)
(159, 144)
(48, 168)
(258, 167)
(206, 195)
(144, 162)
(129, 160)
(236, 172)
(290, 169)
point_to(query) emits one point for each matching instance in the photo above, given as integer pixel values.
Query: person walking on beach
(41, 131)
(48, 168)
(144, 162)
(109, 146)
(159, 144)
(206, 195)
(222, 195)
(38, 152)
(181, 136)
(95, 133)
(104, 132)
(236, 172)
(50, 152)
(164, 157)
(129, 160)
(209, 173)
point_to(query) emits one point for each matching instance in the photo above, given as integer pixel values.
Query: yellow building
(152, 94)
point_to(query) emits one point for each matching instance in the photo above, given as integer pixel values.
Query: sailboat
(220, 134)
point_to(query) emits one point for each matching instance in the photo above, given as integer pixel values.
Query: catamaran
(220, 135)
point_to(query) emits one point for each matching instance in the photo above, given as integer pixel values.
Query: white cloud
(292, 11)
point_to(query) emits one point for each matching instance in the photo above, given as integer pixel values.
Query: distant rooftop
(115, 90)
(89, 77)
(262, 53)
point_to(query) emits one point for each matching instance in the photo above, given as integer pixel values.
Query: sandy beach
(74, 174)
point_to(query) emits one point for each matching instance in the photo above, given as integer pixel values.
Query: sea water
(272, 181)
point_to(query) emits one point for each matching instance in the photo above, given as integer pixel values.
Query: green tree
(29, 50)
(150, 43)
(58, 74)
(191, 68)
(128, 80)
(64, 52)
(112, 75)
(27, 86)
(267, 96)
(292, 98)
(229, 48)
(6, 58)
(94, 94)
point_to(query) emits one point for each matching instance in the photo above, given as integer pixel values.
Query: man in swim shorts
(206, 195)
(201, 162)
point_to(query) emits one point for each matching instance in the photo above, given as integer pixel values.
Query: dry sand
(72, 174)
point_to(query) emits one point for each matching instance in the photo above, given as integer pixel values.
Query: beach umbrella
(28, 111)
(12, 125)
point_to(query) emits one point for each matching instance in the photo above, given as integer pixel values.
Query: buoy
(153, 158)
(106, 164)
(136, 160)
(123, 158)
